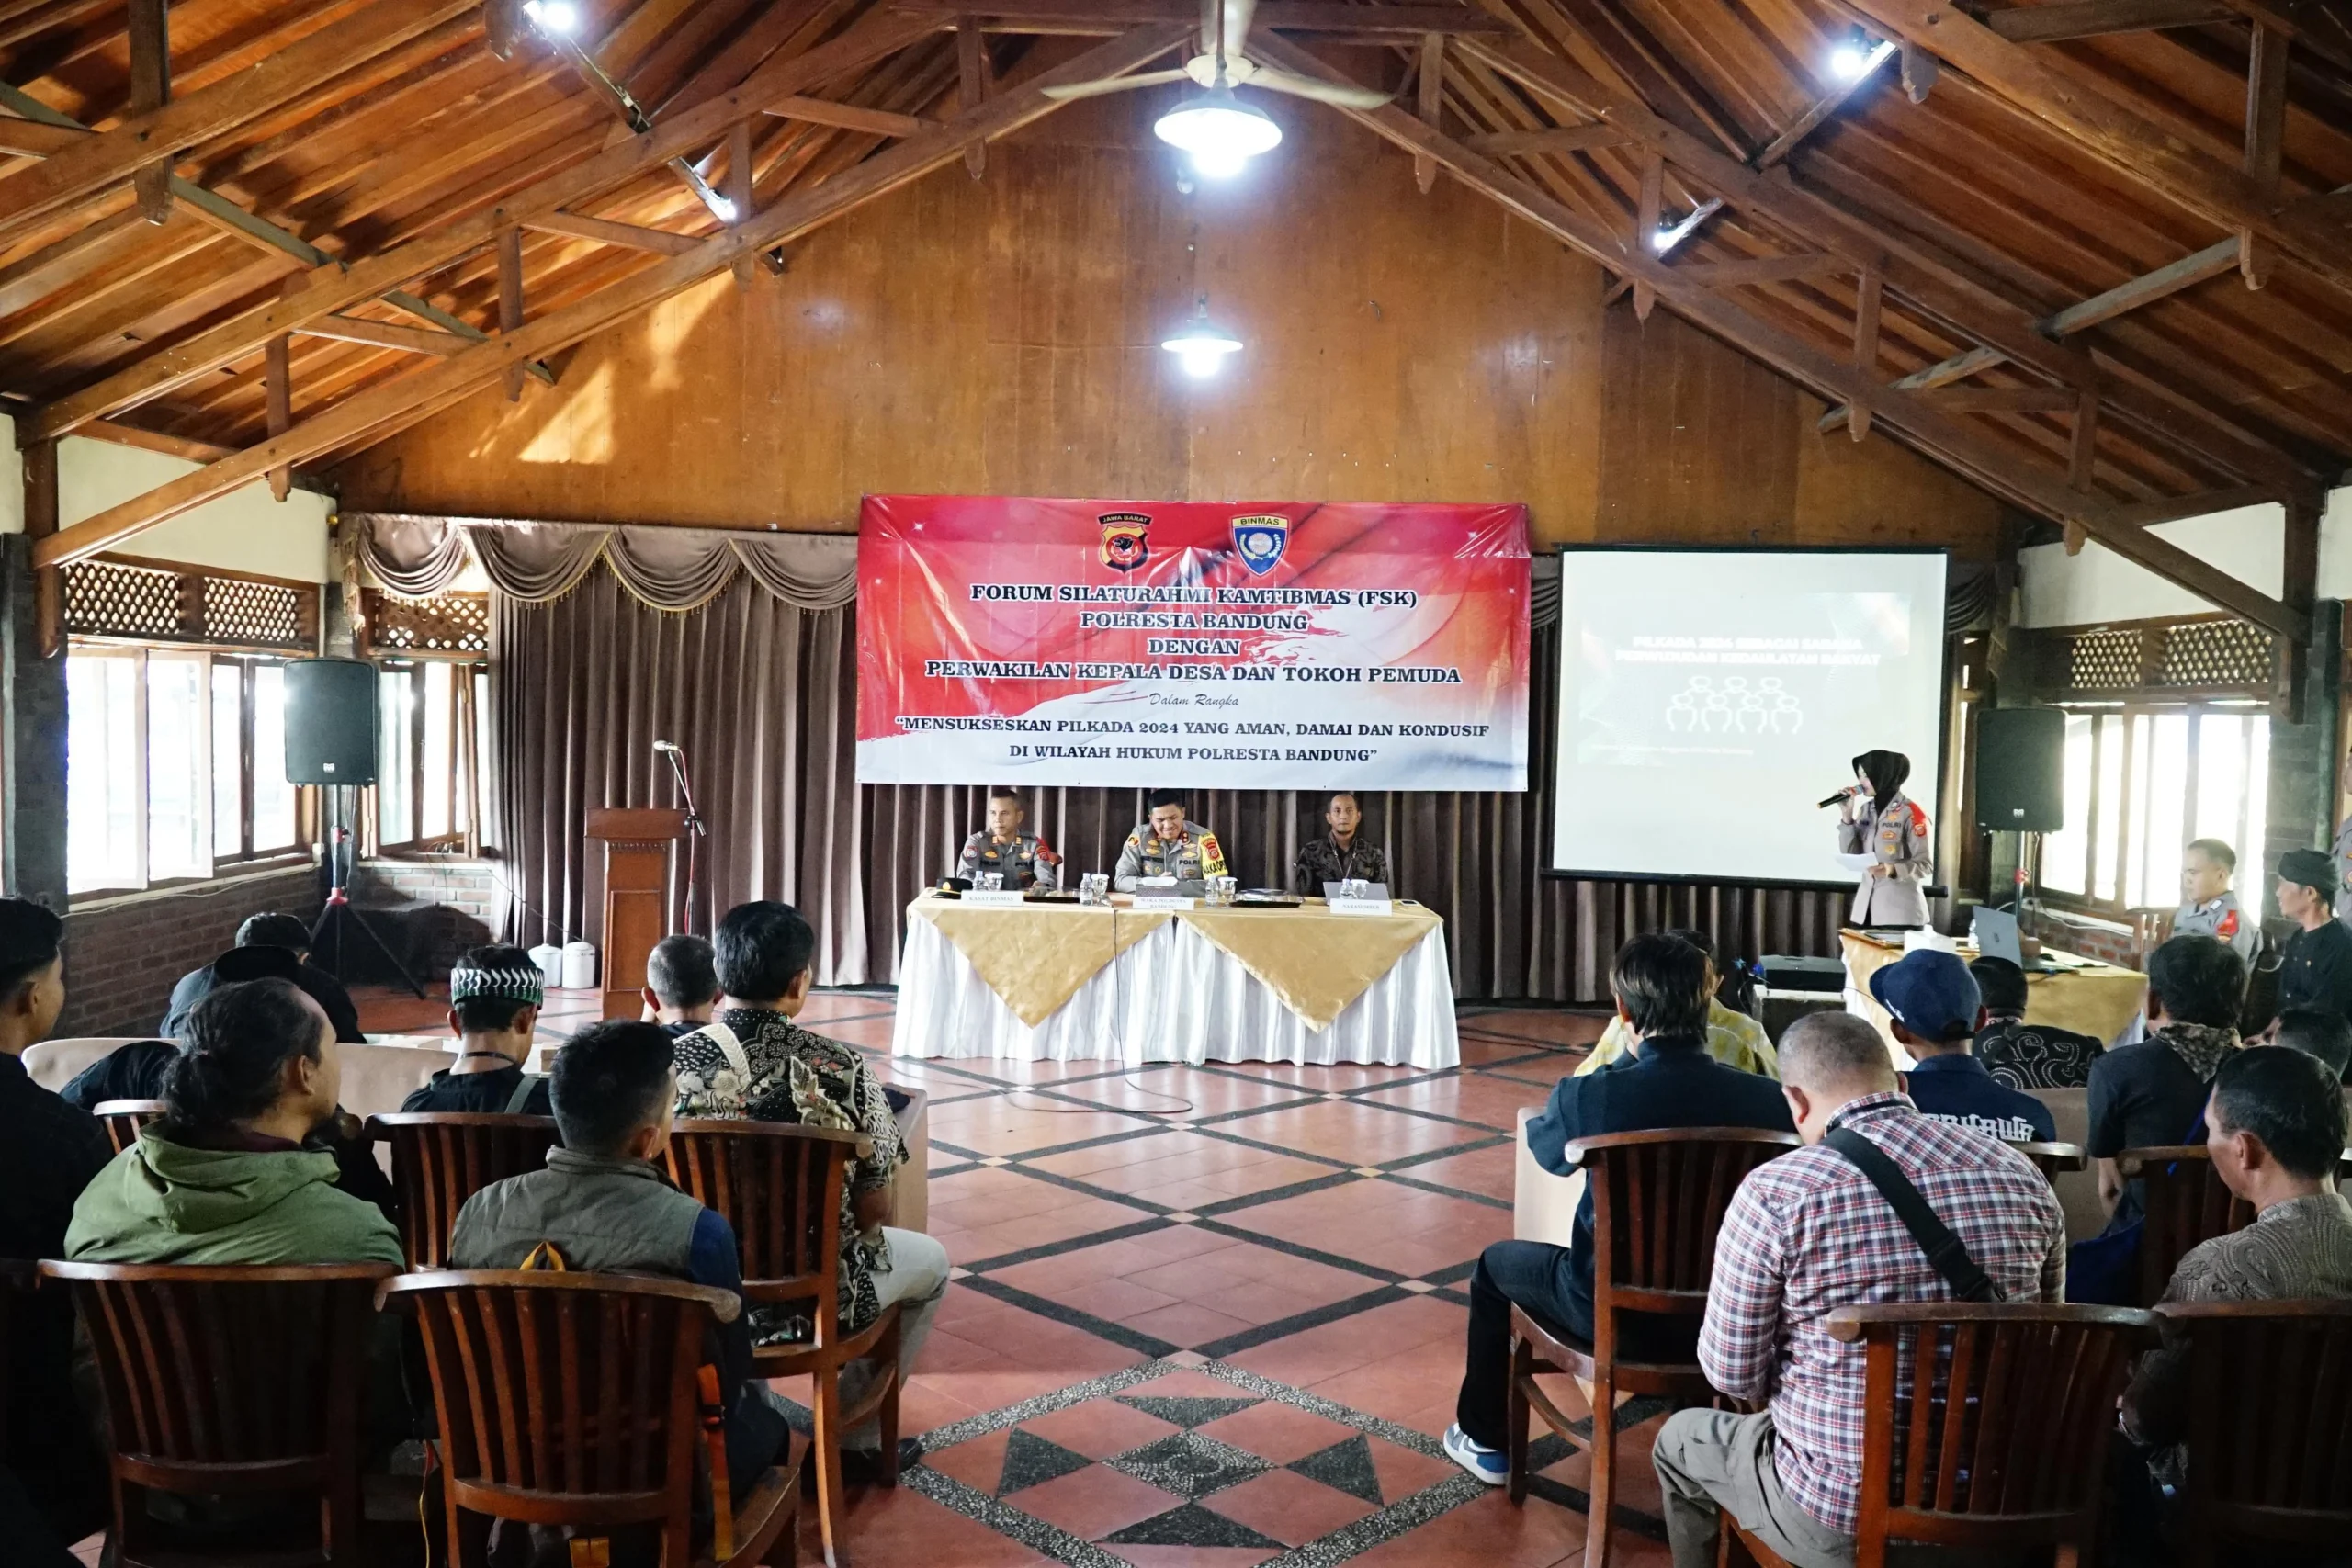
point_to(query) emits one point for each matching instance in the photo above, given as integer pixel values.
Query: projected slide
(1709, 698)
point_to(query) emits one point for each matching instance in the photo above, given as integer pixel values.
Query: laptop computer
(1996, 935)
(1371, 890)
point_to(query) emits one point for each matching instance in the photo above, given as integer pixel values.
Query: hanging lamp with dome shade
(1219, 131)
(1200, 346)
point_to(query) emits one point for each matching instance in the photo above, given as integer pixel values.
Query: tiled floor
(1210, 1316)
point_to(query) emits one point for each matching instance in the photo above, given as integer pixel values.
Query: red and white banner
(1217, 646)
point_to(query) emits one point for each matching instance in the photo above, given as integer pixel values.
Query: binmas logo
(1261, 541)
(1124, 545)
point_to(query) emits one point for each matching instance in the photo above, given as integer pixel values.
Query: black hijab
(1887, 771)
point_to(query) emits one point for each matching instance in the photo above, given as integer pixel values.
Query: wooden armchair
(1986, 1425)
(231, 1381)
(572, 1400)
(123, 1118)
(440, 1158)
(780, 1186)
(2185, 1203)
(2269, 1454)
(2054, 1160)
(1657, 1200)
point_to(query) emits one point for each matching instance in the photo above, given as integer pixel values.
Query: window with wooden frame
(2167, 740)
(433, 723)
(176, 737)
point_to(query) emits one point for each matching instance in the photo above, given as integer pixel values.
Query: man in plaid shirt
(1805, 1235)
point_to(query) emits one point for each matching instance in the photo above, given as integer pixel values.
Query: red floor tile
(1183, 1170)
(1490, 1101)
(1099, 1429)
(1490, 1172)
(1315, 1355)
(1279, 1432)
(1489, 1531)
(1349, 1130)
(1382, 1223)
(1288, 1507)
(1182, 1091)
(978, 1464)
(1093, 1502)
(1002, 1125)
(898, 1524)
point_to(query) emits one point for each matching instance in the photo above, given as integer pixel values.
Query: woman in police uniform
(1875, 819)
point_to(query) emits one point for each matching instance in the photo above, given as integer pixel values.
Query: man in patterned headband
(494, 997)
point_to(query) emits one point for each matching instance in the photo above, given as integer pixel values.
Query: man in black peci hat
(2318, 968)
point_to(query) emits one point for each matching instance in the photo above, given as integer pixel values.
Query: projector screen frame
(1692, 879)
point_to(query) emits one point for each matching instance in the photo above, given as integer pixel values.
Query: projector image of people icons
(1730, 706)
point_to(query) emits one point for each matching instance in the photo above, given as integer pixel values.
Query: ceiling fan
(1220, 130)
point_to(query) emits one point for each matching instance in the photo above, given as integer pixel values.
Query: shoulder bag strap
(1946, 1253)
(730, 1047)
(521, 1098)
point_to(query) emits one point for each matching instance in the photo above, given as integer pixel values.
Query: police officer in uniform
(1168, 843)
(2208, 906)
(1026, 860)
(1875, 819)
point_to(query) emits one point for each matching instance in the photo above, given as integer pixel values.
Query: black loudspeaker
(2021, 770)
(330, 722)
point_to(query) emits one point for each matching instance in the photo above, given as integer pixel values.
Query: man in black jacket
(495, 998)
(1661, 984)
(263, 944)
(50, 1480)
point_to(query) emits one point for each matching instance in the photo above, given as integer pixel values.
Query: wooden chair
(223, 1380)
(1986, 1425)
(780, 1186)
(123, 1118)
(1657, 1200)
(2054, 1160)
(2185, 1203)
(2269, 1448)
(571, 1399)
(15, 1274)
(440, 1158)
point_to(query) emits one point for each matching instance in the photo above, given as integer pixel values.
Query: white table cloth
(1174, 996)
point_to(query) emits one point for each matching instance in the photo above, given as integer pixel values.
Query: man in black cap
(269, 947)
(2318, 968)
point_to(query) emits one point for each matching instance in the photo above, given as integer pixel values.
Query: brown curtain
(762, 696)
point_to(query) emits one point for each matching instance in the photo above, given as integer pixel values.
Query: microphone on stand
(694, 825)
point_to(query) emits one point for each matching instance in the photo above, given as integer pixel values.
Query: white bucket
(549, 958)
(578, 965)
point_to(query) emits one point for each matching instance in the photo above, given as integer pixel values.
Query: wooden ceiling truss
(2095, 255)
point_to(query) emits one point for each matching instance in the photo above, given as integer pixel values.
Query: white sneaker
(1489, 1465)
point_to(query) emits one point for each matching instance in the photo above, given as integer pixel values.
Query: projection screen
(1709, 698)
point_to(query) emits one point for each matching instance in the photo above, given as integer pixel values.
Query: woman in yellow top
(1733, 1038)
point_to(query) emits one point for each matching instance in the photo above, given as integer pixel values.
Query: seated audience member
(2208, 906)
(1932, 999)
(2317, 970)
(2319, 1033)
(49, 1152)
(605, 1206)
(494, 997)
(2152, 1094)
(1340, 853)
(753, 1060)
(1807, 1234)
(237, 1170)
(1733, 1038)
(1660, 985)
(2275, 1128)
(262, 942)
(680, 984)
(2022, 1054)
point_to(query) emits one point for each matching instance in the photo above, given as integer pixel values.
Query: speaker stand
(339, 915)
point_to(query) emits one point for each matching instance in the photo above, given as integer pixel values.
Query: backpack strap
(522, 1095)
(1946, 1253)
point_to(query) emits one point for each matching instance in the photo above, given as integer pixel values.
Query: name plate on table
(995, 898)
(1153, 903)
(1360, 905)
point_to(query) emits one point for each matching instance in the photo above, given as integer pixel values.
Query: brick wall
(123, 956)
(2103, 939)
(432, 908)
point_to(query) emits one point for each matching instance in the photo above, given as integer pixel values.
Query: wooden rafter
(2098, 19)
(1778, 149)
(1544, 143)
(849, 117)
(394, 406)
(1946, 439)
(1401, 23)
(605, 231)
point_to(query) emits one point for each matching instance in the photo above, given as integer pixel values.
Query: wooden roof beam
(394, 406)
(385, 334)
(605, 232)
(110, 158)
(1396, 23)
(159, 373)
(2315, 232)
(2317, 25)
(1966, 450)
(1778, 149)
(849, 117)
(1544, 143)
(2098, 19)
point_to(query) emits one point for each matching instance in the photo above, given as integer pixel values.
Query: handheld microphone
(663, 746)
(1846, 794)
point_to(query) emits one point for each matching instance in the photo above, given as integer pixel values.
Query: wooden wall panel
(1001, 337)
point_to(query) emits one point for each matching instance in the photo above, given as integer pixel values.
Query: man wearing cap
(1937, 1009)
(2318, 968)
(2208, 905)
(1024, 859)
(269, 947)
(494, 997)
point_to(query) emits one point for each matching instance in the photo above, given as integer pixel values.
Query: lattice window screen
(2103, 660)
(265, 614)
(447, 623)
(106, 598)
(2216, 653)
(158, 603)
(2185, 655)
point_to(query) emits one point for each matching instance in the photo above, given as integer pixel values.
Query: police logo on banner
(1261, 541)
(1123, 546)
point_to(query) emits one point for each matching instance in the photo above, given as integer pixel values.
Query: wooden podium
(640, 847)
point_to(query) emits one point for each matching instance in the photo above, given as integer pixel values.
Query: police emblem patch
(1261, 540)
(1124, 545)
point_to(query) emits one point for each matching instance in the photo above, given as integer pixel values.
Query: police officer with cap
(2318, 968)
(2208, 906)
(1024, 860)
(1168, 843)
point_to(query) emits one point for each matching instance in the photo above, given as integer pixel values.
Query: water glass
(1221, 889)
(1094, 888)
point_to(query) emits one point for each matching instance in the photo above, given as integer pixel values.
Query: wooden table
(2100, 1000)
